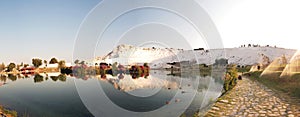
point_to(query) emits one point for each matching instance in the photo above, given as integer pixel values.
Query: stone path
(251, 99)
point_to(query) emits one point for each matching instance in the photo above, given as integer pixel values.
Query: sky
(48, 28)
(40, 28)
(273, 22)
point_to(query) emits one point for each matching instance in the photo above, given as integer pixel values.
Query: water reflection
(134, 92)
(126, 82)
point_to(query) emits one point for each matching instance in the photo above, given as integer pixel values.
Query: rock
(263, 115)
(291, 115)
(215, 108)
(282, 113)
(262, 112)
(224, 101)
(272, 115)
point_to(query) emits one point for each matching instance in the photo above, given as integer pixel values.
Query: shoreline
(7, 113)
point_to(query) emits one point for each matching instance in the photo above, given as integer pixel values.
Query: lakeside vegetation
(7, 113)
(220, 69)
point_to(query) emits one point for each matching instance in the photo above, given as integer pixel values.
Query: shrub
(230, 79)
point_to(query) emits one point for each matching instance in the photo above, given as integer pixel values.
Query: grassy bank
(8, 113)
(289, 85)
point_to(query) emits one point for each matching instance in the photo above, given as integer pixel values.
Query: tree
(2, 67)
(45, 62)
(11, 66)
(76, 61)
(230, 78)
(18, 67)
(53, 61)
(221, 61)
(233, 72)
(26, 65)
(61, 64)
(36, 62)
(82, 63)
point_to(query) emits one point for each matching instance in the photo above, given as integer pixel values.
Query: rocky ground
(250, 98)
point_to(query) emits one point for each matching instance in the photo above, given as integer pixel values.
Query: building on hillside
(198, 49)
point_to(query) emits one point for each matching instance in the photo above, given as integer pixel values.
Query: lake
(159, 94)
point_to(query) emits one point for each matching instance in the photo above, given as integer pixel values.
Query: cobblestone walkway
(251, 99)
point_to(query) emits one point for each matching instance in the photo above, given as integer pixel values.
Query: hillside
(158, 57)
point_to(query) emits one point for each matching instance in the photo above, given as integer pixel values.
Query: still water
(65, 96)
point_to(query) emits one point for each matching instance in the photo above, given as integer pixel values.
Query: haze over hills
(158, 57)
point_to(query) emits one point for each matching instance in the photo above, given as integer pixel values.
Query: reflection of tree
(38, 78)
(54, 78)
(62, 77)
(79, 71)
(2, 78)
(135, 75)
(12, 77)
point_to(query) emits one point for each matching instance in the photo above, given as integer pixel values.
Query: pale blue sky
(40, 28)
(48, 28)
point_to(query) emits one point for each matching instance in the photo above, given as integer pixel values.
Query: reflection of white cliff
(50, 74)
(129, 84)
(158, 57)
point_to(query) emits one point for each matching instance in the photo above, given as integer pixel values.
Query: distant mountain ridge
(158, 57)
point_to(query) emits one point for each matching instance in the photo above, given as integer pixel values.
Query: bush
(230, 79)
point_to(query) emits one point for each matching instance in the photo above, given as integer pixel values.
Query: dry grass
(289, 85)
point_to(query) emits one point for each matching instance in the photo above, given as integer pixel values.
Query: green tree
(76, 61)
(45, 62)
(61, 64)
(18, 67)
(36, 62)
(2, 67)
(11, 66)
(230, 78)
(53, 61)
(26, 65)
(82, 63)
(221, 61)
